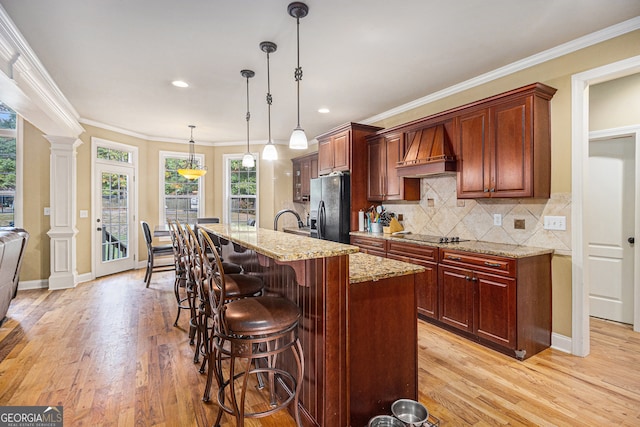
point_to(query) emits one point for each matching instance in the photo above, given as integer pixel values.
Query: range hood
(429, 153)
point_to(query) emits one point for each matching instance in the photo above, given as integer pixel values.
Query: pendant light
(298, 138)
(193, 170)
(247, 159)
(269, 152)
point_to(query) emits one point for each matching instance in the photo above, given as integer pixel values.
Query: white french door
(114, 222)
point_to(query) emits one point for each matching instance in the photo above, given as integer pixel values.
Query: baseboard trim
(561, 342)
(33, 284)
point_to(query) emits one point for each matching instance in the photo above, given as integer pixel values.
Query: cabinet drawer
(370, 245)
(488, 263)
(412, 251)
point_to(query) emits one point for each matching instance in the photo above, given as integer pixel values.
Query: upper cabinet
(305, 168)
(383, 153)
(344, 149)
(334, 153)
(504, 145)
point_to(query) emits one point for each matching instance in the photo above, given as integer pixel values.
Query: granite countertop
(364, 267)
(279, 245)
(488, 248)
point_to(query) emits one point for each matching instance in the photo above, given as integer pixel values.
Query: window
(242, 192)
(8, 138)
(181, 198)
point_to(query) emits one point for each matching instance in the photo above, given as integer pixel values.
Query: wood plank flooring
(108, 352)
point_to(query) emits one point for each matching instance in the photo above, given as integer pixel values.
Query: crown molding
(34, 93)
(547, 55)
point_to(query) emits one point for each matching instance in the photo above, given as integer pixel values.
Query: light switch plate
(47, 211)
(84, 213)
(497, 219)
(555, 222)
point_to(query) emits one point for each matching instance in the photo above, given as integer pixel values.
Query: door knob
(631, 240)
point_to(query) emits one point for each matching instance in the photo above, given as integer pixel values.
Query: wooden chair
(154, 251)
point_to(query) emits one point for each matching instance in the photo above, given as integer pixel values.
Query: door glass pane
(115, 214)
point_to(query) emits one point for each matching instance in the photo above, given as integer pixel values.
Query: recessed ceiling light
(179, 83)
(323, 110)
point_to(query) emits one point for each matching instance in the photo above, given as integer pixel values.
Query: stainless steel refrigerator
(330, 207)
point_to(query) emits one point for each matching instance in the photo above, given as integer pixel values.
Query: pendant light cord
(298, 72)
(248, 114)
(269, 97)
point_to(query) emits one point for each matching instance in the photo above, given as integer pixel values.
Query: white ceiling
(114, 59)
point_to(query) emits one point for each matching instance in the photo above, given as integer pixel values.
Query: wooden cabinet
(383, 154)
(427, 281)
(344, 149)
(370, 245)
(502, 302)
(334, 153)
(504, 145)
(304, 169)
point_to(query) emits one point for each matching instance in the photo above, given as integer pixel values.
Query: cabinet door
(325, 157)
(496, 309)
(426, 285)
(341, 151)
(313, 167)
(474, 172)
(297, 181)
(370, 245)
(305, 178)
(511, 155)
(394, 153)
(456, 297)
(377, 164)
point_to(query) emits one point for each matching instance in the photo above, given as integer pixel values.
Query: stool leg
(176, 291)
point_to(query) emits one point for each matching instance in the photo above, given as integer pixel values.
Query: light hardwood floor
(108, 352)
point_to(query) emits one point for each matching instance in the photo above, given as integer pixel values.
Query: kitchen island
(358, 328)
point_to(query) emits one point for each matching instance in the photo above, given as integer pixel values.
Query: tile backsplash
(441, 213)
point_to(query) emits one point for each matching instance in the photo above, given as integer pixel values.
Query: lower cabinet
(427, 281)
(502, 302)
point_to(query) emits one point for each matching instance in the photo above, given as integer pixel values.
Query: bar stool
(240, 286)
(180, 283)
(154, 251)
(255, 329)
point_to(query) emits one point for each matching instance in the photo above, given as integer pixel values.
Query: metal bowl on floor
(385, 421)
(410, 412)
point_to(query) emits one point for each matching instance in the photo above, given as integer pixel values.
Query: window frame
(226, 205)
(18, 134)
(162, 156)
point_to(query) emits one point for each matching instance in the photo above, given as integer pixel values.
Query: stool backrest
(147, 232)
(213, 279)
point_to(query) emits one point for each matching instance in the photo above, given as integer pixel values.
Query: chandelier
(193, 169)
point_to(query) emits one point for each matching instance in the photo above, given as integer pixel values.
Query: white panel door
(609, 220)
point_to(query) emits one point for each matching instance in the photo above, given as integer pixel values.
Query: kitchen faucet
(275, 220)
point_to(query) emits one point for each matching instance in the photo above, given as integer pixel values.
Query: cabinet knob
(486, 190)
(474, 279)
(467, 278)
(492, 190)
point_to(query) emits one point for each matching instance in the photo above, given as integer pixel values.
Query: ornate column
(63, 211)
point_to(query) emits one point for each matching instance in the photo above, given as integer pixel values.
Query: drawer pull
(467, 278)
(454, 258)
(491, 264)
(474, 279)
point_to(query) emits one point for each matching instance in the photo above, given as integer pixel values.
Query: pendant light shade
(247, 160)
(298, 140)
(193, 170)
(269, 152)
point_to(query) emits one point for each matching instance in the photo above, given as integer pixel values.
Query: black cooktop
(431, 239)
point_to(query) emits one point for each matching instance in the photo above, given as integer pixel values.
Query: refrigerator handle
(321, 219)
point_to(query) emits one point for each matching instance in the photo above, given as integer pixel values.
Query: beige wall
(615, 103)
(275, 179)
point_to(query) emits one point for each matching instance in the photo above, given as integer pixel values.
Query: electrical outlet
(555, 222)
(518, 224)
(47, 211)
(497, 219)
